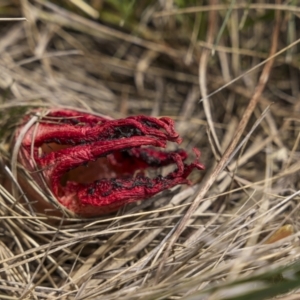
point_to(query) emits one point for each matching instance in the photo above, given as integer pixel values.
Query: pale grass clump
(234, 233)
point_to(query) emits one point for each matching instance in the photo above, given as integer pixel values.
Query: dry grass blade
(86, 8)
(225, 158)
(12, 19)
(195, 9)
(202, 76)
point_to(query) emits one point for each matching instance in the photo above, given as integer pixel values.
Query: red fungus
(94, 165)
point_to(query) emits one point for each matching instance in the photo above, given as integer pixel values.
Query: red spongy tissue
(94, 165)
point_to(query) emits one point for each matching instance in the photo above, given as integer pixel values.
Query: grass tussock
(234, 233)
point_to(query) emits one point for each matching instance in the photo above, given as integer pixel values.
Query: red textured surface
(94, 165)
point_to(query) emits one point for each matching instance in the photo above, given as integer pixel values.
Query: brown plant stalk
(225, 158)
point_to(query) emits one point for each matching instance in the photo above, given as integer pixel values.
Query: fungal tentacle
(143, 158)
(74, 117)
(124, 190)
(82, 153)
(49, 132)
